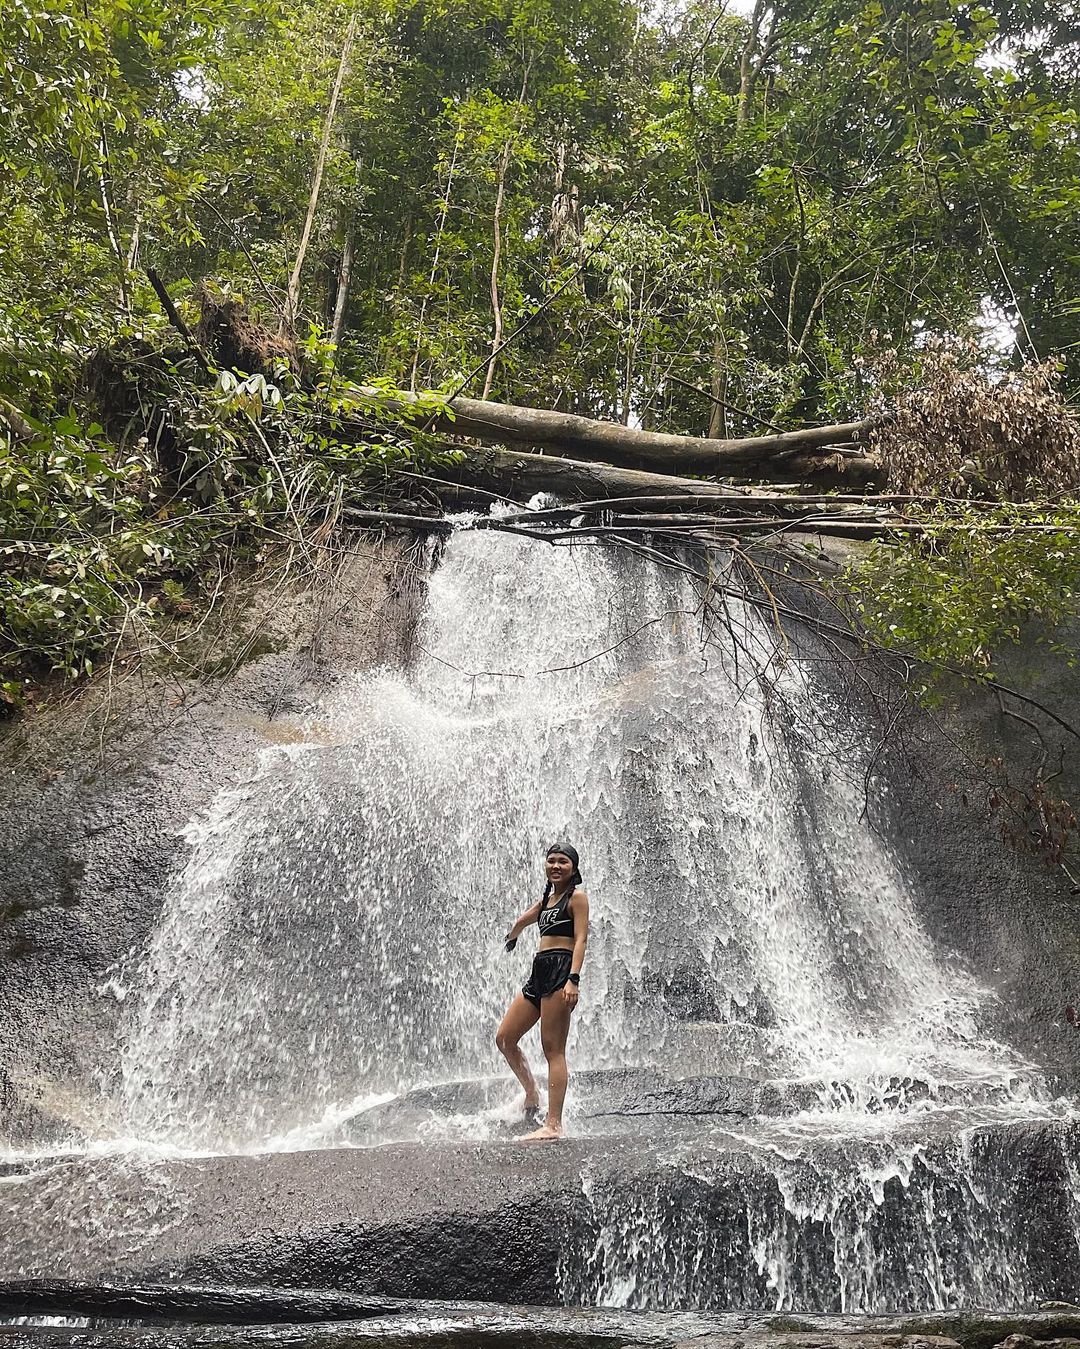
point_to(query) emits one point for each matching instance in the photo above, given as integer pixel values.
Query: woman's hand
(570, 994)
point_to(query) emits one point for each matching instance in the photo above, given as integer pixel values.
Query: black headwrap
(566, 851)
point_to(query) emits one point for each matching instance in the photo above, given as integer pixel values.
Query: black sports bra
(557, 921)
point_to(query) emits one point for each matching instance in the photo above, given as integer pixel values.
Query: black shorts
(550, 971)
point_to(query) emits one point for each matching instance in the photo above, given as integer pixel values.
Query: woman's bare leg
(521, 1016)
(555, 1013)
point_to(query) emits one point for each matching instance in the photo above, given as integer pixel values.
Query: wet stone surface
(711, 1221)
(612, 1101)
(54, 1315)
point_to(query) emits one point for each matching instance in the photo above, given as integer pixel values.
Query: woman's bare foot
(547, 1133)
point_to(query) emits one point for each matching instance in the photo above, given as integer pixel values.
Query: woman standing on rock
(551, 992)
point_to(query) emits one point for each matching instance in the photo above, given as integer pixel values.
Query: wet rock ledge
(39, 1314)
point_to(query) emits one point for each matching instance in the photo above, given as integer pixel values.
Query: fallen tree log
(608, 502)
(586, 438)
(822, 470)
(715, 531)
(518, 476)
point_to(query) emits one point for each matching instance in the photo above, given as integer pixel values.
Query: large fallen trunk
(519, 476)
(799, 452)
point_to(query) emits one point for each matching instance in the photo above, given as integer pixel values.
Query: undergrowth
(134, 503)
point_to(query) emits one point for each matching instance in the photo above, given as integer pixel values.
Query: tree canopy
(690, 218)
(748, 197)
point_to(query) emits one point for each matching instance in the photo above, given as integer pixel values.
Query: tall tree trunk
(111, 227)
(627, 389)
(344, 272)
(403, 256)
(496, 304)
(718, 423)
(133, 245)
(435, 260)
(292, 298)
(756, 51)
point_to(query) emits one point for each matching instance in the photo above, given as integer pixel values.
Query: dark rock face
(396, 1220)
(684, 1195)
(95, 798)
(448, 1256)
(1012, 918)
(211, 1305)
(708, 1222)
(223, 1318)
(638, 1101)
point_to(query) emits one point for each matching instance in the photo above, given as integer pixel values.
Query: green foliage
(725, 204)
(76, 540)
(100, 544)
(977, 581)
(848, 165)
(95, 99)
(993, 463)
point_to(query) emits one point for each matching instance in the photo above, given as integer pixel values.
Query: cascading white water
(336, 933)
(907, 1221)
(335, 941)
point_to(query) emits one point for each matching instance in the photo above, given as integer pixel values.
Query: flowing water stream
(336, 933)
(334, 944)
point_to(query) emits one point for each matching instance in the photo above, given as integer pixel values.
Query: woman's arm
(579, 907)
(527, 919)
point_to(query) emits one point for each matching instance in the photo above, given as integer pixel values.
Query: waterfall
(335, 939)
(899, 1223)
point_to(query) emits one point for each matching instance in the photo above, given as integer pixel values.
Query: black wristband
(574, 979)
